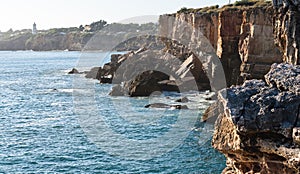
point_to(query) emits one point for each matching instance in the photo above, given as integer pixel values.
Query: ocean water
(44, 126)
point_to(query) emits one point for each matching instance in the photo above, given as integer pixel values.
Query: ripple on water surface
(40, 132)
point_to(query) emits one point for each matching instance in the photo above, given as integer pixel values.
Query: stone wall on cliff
(287, 29)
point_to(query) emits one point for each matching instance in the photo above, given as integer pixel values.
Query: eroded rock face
(242, 38)
(228, 40)
(258, 123)
(287, 29)
(257, 48)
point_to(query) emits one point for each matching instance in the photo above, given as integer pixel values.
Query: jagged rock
(192, 67)
(257, 124)
(106, 73)
(187, 72)
(74, 71)
(284, 77)
(162, 105)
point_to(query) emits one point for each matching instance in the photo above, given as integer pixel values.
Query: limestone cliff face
(256, 44)
(228, 51)
(287, 29)
(241, 37)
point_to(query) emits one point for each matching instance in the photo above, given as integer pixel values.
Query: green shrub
(244, 3)
(183, 10)
(256, 3)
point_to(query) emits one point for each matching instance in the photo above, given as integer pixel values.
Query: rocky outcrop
(146, 71)
(258, 124)
(234, 40)
(287, 29)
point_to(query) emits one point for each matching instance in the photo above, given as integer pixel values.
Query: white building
(34, 30)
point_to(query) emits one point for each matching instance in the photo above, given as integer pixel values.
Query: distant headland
(72, 39)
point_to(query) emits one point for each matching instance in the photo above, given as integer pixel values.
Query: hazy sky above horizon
(21, 14)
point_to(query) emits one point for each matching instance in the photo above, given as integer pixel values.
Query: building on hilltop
(34, 30)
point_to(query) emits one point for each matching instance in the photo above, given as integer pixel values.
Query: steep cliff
(287, 29)
(256, 44)
(241, 36)
(258, 125)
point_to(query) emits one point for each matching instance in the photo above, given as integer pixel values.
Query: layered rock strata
(241, 36)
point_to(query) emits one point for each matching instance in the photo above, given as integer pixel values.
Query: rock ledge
(258, 128)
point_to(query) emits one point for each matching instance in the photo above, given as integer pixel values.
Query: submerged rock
(162, 105)
(183, 100)
(258, 123)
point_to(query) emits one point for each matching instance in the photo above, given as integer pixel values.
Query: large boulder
(145, 84)
(258, 123)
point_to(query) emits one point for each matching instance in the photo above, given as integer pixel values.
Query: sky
(21, 14)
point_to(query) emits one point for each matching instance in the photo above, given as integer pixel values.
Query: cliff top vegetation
(236, 5)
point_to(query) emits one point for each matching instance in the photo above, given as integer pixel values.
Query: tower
(34, 30)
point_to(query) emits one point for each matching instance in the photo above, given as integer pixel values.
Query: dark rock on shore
(169, 85)
(74, 71)
(145, 71)
(145, 84)
(183, 100)
(117, 90)
(162, 105)
(258, 123)
(93, 73)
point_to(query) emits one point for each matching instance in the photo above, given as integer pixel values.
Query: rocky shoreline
(257, 111)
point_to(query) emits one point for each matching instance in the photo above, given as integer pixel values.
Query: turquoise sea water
(40, 131)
